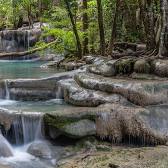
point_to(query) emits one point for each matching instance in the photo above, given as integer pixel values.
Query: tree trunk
(151, 44)
(146, 9)
(85, 27)
(21, 54)
(79, 47)
(113, 32)
(163, 49)
(101, 27)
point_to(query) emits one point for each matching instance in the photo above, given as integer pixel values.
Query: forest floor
(120, 157)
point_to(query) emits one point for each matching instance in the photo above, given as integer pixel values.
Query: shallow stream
(25, 128)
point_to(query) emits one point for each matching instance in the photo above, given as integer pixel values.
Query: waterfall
(31, 125)
(7, 93)
(28, 39)
(27, 127)
(59, 92)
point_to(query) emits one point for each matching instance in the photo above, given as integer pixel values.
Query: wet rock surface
(111, 107)
(76, 95)
(138, 92)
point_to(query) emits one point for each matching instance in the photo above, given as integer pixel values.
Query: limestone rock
(76, 95)
(80, 128)
(138, 92)
(119, 123)
(105, 69)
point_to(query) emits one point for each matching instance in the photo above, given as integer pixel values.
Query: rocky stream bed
(114, 102)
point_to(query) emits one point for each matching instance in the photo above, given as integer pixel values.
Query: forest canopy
(91, 26)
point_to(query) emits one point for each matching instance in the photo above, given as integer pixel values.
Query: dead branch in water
(20, 54)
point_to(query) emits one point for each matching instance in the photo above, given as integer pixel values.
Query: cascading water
(26, 128)
(31, 127)
(5, 148)
(7, 94)
(59, 92)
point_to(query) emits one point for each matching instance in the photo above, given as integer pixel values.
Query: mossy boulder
(124, 66)
(142, 66)
(72, 122)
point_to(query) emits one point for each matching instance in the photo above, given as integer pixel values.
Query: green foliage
(65, 35)
(5, 13)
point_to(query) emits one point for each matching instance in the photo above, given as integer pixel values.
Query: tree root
(20, 54)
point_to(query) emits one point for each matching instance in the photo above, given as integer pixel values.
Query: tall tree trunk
(163, 49)
(79, 47)
(147, 13)
(85, 27)
(113, 32)
(151, 44)
(101, 27)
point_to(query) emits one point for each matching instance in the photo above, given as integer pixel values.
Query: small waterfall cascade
(26, 128)
(7, 93)
(59, 92)
(18, 40)
(5, 148)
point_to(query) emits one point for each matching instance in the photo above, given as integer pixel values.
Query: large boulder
(105, 69)
(40, 149)
(160, 67)
(124, 66)
(74, 122)
(142, 66)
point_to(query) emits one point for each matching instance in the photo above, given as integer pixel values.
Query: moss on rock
(142, 66)
(125, 66)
